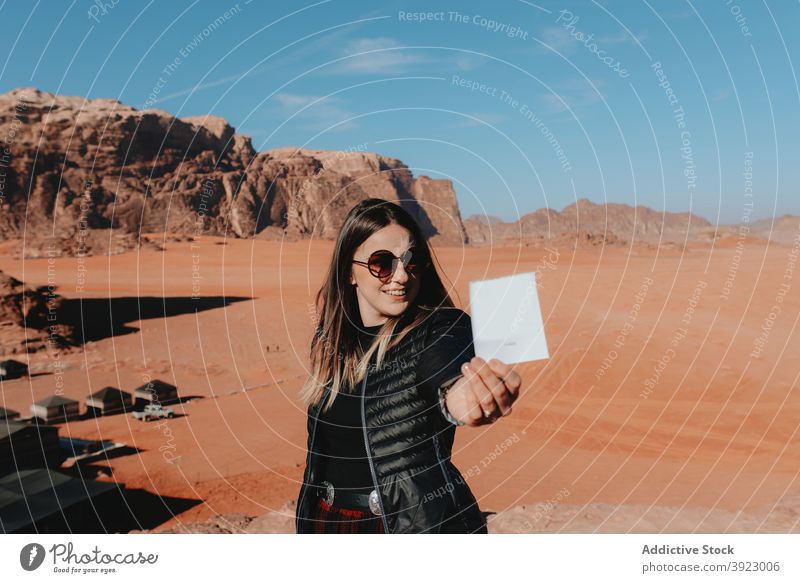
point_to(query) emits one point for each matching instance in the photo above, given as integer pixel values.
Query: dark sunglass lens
(416, 261)
(380, 264)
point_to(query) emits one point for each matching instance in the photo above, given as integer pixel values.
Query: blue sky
(521, 104)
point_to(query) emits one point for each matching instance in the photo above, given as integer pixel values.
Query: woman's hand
(485, 392)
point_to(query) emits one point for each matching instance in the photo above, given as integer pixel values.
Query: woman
(393, 372)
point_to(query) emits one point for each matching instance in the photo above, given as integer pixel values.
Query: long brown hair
(336, 356)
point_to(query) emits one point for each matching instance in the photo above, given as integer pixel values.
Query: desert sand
(655, 412)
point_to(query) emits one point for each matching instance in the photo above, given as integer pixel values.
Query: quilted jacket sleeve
(448, 345)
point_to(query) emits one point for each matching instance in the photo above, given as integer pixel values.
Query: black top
(340, 430)
(341, 435)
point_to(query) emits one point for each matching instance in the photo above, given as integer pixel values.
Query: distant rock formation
(72, 166)
(88, 176)
(784, 229)
(29, 318)
(485, 219)
(590, 224)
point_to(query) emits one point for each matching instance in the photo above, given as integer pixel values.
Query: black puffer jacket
(408, 440)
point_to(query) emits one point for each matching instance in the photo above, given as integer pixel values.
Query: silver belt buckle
(329, 492)
(374, 503)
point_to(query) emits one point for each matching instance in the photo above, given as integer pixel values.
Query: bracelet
(443, 407)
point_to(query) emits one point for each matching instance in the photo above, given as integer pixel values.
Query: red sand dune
(710, 432)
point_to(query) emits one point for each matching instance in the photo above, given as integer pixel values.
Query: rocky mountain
(485, 219)
(784, 229)
(87, 176)
(72, 166)
(592, 223)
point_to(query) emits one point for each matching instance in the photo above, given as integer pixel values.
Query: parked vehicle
(151, 412)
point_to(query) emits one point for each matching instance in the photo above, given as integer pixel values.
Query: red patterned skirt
(332, 520)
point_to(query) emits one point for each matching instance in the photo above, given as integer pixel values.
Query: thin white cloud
(319, 45)
(381, 55)
(492, 119)
(574, 94)
(681, 15)
(562, 40)
(197, 88)
(466, 62)
(388, 57)
(580, 84)
(558, 39)
(623, 37)
(319, 112)
(721, 94)
(555, 103)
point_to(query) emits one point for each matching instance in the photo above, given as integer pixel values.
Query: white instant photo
(507, 320)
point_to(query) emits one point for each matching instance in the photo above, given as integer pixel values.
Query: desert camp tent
(157, 392)
(56, 409)
(12, 369)
(108, 401)
(45, 501)
(7, 414)
(23, 445)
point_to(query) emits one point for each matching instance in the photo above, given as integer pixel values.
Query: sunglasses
(382, 263)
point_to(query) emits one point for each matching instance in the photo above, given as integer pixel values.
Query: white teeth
(395, 292)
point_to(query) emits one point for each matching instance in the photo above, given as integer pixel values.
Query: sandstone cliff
(72, 166)
(87, 176)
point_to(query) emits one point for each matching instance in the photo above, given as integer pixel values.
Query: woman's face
(375, 305)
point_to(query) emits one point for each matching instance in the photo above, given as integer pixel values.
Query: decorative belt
(348, 498)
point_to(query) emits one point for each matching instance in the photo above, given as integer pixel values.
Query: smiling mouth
(396, 293)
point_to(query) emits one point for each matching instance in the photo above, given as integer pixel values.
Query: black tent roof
(28, 496)
(109, 395)
(157, 386)
(12, 364)
(55, 400)
(12, 427)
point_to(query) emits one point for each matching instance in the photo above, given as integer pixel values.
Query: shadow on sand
(97, 318)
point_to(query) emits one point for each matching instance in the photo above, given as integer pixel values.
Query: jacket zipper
(369, 454)
(307, 474)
